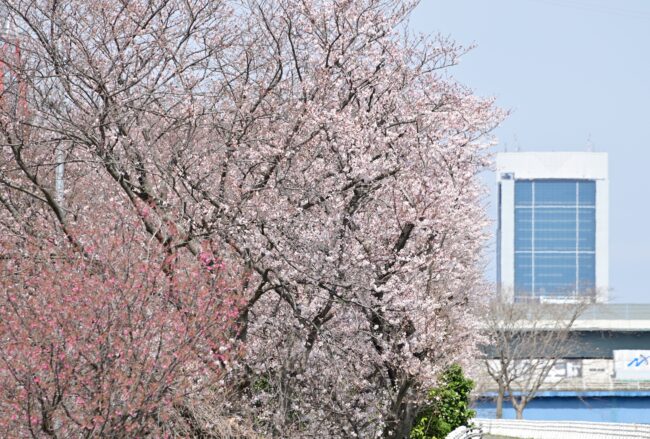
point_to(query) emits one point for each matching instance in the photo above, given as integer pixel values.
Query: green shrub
(447, 407)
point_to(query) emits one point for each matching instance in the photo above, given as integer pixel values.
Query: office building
(552, 236)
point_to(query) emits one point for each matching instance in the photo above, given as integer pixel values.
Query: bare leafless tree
(526, 340)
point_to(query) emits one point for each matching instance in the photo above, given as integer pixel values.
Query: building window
(555, 238)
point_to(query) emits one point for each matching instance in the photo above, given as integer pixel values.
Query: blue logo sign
(639, 361)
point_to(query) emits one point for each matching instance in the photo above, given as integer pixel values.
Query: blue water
(573, 408)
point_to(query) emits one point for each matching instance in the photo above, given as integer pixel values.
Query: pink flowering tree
(108, 345)
(315, 146)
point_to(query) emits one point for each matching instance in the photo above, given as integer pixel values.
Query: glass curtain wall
(555, 238)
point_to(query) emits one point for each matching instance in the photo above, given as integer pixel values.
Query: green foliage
(447, 408)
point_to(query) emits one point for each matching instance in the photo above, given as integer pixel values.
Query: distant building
(552, 237)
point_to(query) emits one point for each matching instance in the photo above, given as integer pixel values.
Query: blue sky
(575, 75)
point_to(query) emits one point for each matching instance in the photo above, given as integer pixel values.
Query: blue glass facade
(555, 237)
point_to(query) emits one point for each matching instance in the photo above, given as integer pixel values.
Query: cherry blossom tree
(315, 146)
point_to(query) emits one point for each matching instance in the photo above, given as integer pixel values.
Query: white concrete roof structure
(632, 317)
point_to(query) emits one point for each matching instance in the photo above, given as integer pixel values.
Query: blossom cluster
(313, 149)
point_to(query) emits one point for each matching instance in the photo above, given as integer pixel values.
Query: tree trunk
(500, 394)
(402, 415)
(520, 412)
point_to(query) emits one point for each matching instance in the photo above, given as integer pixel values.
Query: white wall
(530, 165)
